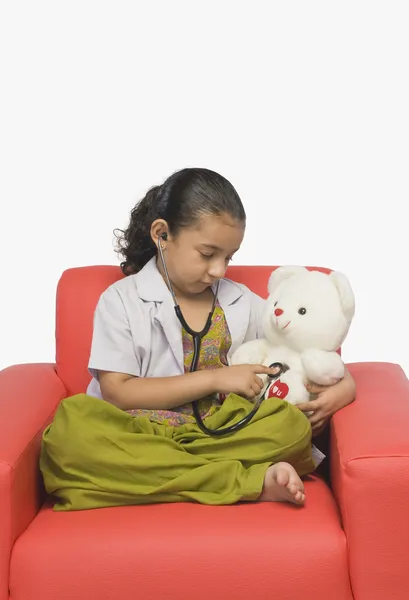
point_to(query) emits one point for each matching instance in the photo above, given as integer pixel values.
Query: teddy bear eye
(302, 311)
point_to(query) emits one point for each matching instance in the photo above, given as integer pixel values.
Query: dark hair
(180, 201)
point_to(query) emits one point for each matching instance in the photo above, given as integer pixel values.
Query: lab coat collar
(151, 287)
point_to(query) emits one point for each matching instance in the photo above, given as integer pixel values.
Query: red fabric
(181, 551)
(186, 551)
(78, 292)
(370, 466)
(29, 395)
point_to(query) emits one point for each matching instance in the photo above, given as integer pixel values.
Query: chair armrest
(29, 396)
(369, 457)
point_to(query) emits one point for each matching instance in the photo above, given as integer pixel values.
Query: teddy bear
(306, 318)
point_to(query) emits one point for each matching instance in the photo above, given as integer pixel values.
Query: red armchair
(350, 541)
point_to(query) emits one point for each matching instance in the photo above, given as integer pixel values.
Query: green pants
(95, 455)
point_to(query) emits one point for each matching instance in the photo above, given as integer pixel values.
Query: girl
(132, 438)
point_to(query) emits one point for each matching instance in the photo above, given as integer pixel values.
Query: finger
(318, 426)
(251, 394)
(316, 418)
(259, 382)
(263, 370)
(317, 431)
(309, 406)
(314, 388)
(256, 388)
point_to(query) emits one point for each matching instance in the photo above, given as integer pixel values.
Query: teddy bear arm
(323, 368)
(253, 352)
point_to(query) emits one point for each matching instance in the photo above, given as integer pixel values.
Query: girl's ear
(159, 228)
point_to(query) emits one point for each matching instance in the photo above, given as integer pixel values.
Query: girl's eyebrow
(213, 247)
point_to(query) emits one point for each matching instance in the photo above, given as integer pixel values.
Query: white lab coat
(136, 330)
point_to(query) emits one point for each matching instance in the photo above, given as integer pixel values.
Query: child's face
(200, 255)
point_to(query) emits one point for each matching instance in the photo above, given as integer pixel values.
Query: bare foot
(282, 484)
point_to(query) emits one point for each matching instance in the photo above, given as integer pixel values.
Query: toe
(292, 488)
(295, 481)
(282, 477)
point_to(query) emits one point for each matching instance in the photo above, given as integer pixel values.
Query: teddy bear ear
(282, 273)
(345, 292)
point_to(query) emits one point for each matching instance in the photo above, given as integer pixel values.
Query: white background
(302, 105)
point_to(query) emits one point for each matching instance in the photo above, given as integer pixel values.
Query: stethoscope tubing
(197, 337)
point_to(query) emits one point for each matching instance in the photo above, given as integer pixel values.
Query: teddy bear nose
(278, 312)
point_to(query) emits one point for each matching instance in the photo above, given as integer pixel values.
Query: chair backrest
(78, 292)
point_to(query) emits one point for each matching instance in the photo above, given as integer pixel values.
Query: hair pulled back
(181, 200)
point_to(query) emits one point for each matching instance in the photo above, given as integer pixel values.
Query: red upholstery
(184, 552)
(77, 296)
(370, 476)
(354, 536)
(29, 395)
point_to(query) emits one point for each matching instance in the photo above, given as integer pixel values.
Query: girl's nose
(278, 312)
(217, 270)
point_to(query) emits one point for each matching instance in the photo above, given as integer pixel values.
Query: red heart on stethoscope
(278, 389)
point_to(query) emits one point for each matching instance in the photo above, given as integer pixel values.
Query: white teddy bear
(307, 317)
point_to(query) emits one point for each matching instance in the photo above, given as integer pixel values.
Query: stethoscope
(197, 337)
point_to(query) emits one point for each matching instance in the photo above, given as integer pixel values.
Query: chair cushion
(185, 551)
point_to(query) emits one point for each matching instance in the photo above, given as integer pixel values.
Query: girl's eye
(206, 255)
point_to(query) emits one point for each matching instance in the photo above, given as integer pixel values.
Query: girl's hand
(330, 400)
(242, 380)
